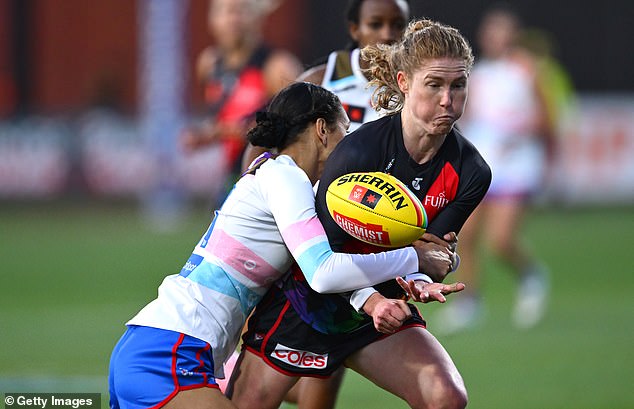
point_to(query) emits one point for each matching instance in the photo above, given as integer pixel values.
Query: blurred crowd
(105, 150)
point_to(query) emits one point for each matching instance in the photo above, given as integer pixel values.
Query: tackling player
(174, 348)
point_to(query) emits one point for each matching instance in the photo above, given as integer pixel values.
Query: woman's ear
(322, 130)
(401, 80)
(353, 30)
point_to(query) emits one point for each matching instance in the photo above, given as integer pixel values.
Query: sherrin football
(376, 208)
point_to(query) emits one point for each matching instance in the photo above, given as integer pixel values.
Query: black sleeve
(475, 179)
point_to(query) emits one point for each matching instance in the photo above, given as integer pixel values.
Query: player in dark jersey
(422, 80)
(369, 22)
(240, 74)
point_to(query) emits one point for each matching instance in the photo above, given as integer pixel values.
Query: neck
(420, 144)
(306, 155)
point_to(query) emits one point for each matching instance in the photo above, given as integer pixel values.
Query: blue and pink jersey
(267, 222)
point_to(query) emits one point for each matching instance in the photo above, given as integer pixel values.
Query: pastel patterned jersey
(267, 222)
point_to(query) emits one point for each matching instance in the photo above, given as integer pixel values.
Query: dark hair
(353, 15)
(353, 12)
(290, 112)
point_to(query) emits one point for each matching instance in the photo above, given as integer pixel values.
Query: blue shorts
(149, 366)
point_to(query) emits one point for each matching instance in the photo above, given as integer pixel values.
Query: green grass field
(72, 274)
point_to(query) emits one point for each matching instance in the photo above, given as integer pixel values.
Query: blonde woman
(422, 82)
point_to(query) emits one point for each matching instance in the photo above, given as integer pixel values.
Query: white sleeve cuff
(455, 262)
(419, 277)
(359, 297)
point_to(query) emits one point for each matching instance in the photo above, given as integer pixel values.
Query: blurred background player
(369, 22)
(553, 79)
(240, 74)
(507, 119)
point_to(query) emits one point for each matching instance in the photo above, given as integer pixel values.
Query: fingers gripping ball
(376, 208)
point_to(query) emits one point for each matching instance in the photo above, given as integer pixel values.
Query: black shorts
(278, 335)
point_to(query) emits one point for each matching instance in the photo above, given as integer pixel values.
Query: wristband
(419, 277)
(359, 297)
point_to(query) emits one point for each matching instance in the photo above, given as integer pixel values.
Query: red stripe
(413, 325)
(262, 352)
(200, 366)
(198, 386)
(177, 387)
(174, 376)
(446, 183)
(274, 327)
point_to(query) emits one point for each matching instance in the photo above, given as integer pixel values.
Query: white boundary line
(69, 384)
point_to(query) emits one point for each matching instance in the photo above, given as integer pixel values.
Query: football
(376, 208)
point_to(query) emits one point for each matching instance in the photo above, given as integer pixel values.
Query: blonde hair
(422, 41)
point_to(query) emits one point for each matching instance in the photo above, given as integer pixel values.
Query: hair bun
(270, 131)
(273, 121)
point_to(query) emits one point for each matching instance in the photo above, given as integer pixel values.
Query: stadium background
(78, 256)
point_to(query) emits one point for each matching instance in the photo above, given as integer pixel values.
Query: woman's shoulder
(282, 166)
(337, 63)
(381, 128)
(314, 74)
(282, 177)
(281, 56)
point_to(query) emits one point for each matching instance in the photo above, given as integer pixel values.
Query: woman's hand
(437, 257)
(387, 314)
(427, 292)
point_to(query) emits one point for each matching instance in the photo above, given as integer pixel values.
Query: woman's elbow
(324, 286)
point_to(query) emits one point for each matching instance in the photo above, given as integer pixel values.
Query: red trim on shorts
(201, 363)
(413, 325)
(174, 376)
(262, 352)
(268, 335)
(177, 387)
(204, 383)
(198, 386)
